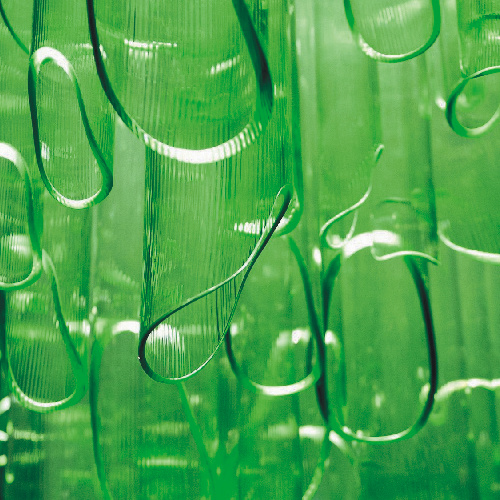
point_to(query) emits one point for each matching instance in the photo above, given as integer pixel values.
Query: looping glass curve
(316, 371)
(286, 194)
(493, 258)
(323, 233)
(394, 58)
(249, 133)
(12, 155)
(40, 57)
(395, 239)
(333, 418)
(294, 213)
(451, 112)
(77, 366)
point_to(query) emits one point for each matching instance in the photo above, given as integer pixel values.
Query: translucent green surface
(72, 120)
(290, 291)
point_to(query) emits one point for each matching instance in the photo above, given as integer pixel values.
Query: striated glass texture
(144, 448)
(37, 339)
(251, 205)
(17, 17)
(338, 87)
(20, 254)
(206, 225)
(470, 64)
(72, 120)
(394, 30)
(193, 276)
(465, 176)
(42, 333)
(192, 82)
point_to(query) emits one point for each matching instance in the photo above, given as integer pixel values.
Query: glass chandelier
(237, 237)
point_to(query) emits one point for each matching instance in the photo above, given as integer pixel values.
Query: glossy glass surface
(275, 275)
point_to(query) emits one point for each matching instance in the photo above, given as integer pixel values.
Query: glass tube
(192, 82)
(465, 176)
(394, 30)
(339, 115)
(72, 120)
(20, 253)
(45, 308)
(206, 225)
(402, 202)
(471, 61)
(17, 17)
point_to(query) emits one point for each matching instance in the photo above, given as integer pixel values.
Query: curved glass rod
(325, 240)
(393, 58)
(77, 365)
(389, 241)
(249, 133)
(451, 104)
(314, 373)
(493, 258)
(334, 419)
(40, 57)
(12, 31)
(13, 156)
(285, 194)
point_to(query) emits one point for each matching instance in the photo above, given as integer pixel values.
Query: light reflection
(367, 240)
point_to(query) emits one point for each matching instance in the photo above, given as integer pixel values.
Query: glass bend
(451, 103)
(254, 128)
(40, 57)
(393, 58)
(77, 365)
(333, 419)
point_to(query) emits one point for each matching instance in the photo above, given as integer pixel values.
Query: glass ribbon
(170, 123)
(73, 123)
(394, 30)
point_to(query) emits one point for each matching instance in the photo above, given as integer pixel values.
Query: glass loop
(249, 133)
(39, 58)
(393, 58)
(13, 156)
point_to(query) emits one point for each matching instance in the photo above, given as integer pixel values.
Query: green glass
(402, 202)
(117, 233)
(33, 331)
(279, 287)
(472, 62)
(337, 84)
(251, 205)
(455, 455)
(143, 443)
(47, 319)
(206, 224)
(72, 120)
(218, 95)
(379, 422)
(17, 18)
(394, 30)
(42, 307)
(465, 178)
(20, 253)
